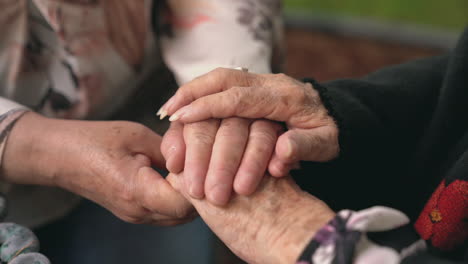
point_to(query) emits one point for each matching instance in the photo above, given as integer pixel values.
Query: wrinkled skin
(107, 162)
(220, 156)
(240, 98)
(271, 226)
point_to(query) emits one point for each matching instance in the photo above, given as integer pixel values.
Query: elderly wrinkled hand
(107, 162)
(273, 225)
(312, 134)
(218, 156)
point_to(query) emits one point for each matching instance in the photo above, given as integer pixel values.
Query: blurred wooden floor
(326, 56)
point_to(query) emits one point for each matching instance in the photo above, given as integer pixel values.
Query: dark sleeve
(394, 104)
(381, 119)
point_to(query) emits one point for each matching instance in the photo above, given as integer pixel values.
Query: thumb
(317, 144)
(159, 196)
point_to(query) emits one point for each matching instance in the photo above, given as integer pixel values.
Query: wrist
(26, 155)
(300, 226)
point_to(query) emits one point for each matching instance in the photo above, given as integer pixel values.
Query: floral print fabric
(373, 235)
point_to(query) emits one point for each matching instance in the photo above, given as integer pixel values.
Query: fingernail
(175, 117)
(179, 114)
(220, 194)
(162, 114)
(163, 107)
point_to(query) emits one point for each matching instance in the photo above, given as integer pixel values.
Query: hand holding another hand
(107, 162)
(312, 134)
(219, 156)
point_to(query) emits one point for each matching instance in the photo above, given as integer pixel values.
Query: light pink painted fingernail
(175, 117)
(162, 112)
(179, 113)
(159, 111)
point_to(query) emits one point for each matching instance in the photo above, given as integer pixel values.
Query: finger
(173, 147)
(316, 144)
(213, 82)
(277, 168)
(247, 102)
(261, 143)
(199, 139)
(158, 196)
(227, 154)
(148, 143)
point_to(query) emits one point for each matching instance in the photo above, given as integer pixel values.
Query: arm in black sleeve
(394, 104)
(381, 119)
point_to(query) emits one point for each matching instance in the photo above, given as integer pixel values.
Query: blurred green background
(444, 14)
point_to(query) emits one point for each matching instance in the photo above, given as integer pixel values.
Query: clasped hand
(228, 131)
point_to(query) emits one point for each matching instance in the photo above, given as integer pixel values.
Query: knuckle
(233, 128)
(262, 137)
(201, 138)
(238, 95)
(218, 70)
(281, 76)
(225, 169)
(254, 169)
(201, 133)
(216, 75)
(258, 80)
(262, 150)
(136, 129)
